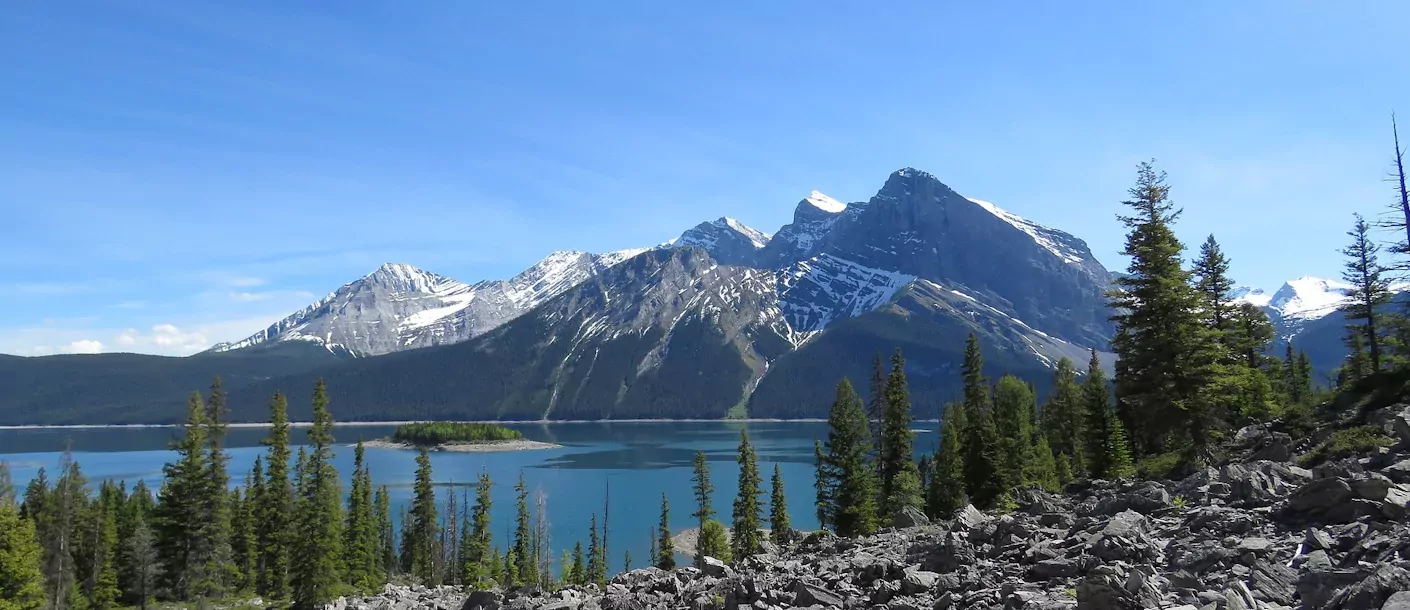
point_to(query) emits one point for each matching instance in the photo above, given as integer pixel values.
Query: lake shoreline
(349, 424)
(522, 444)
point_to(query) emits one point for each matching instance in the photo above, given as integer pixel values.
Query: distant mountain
(1302, 299)
(399, 307)
(723, 320)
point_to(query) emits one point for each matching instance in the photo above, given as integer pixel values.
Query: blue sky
(182, 173)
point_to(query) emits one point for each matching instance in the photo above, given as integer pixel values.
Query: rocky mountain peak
(727, 240)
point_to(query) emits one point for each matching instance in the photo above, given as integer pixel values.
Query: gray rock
(1104, 592)
(1375, 589)
(1127, 524)
(1398, 472)
(812, 595)
(1397, 601)
(918, 581)
(1317, 539)
(1318, 587)
(1320, 495)
(1257, 546)
(969, 517)
(716, 568)
(910, 517)
(1373, 487)
(483, 600)
(1274, 581)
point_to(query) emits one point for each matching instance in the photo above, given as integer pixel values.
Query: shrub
(1349, 441)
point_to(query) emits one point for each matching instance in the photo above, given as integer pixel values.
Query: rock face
(1249, 536)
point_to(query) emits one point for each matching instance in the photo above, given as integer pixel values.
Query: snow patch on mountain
(1309, 298)
(1254, 296)
(815, 292)
(825, 203)
(1044, 236)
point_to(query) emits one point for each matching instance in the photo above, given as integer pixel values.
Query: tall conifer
(317, 551)
(780, 530)
(946, 493)
(746, 537)
(665, 547)
(983, 474)
(276, 507)
(1370, 291)
(849, 478)
(900, 481)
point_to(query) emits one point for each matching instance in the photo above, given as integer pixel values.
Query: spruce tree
(214, 541)
(21, 581)
(700, 483)
(823, 478)
(1167, 356)
(1042, 469)
(900, 482)
(876, 409)
(746, 538)
(1013, 408)
(317, 552)
(476, 555)
(1356, 366)
(780, 531)
(1062, 421)
(983, 474)
(1212, 283)
(242, 533)
(276, 507)
(1117, 459)
(419, 544)
(523, 549)
(715, 535)
(665, 547)
(946, 493)
(850, 482)
(361, 546)
(180, 510)
(594, 552)
(1249, 335)
(145, 565)
(1370, 291)
(577, 573)
(386, 536)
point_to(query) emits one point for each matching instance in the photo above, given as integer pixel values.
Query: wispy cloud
(250, 297)
(85, 346)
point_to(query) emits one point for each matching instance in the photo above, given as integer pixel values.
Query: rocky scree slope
(1258, 534)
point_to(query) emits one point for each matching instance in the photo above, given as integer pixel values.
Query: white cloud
(85, 346)
(170, 338)
(249, 297)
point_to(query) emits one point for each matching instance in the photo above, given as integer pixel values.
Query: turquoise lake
(639, 460)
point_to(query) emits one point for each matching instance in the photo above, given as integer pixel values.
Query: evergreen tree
(849, 482)
(1063, 421)
(1356, 366)
(1399, 220)
(242, 531)
(876, 408)
(1167, 356)
(1064, 469)
(1042, 469)
(476, 554)
(523, 549)
(577, 574)
(21, 581)
(180, 511)
(1117, 459)
(665, 547)
(715, 535)
(362, 545)
(594, 556)
(900, 481)
(1096, 408)
(822, 485)
(141, 555)
(386, 536)
(496, 567)
(317, 551)
(1013, 408)
(213, 544)
(276, 507)
(1249, 335)
(420, 542)
(946, 492)
(780, 531)
(1212, 283)
(703, 510)
(746, 538)
(983, 474)
(1370, 291)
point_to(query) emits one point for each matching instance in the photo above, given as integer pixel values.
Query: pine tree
(180, 511)
(822, 485)
(1064, 469)
(1042, 469)
(1400, 208)
(317, 552)
(715, 536)
(386, 535)
(665, 547)
(983, 475)
(419, 544)
(780, 530)
(900, 482)
(1117, 459)
(1167, 356)
(1107, 452)
(594, 556)
(1211, 270)
(1249, 335)
(1370, 291)
(746, 538)
(577, 574)
(946, 492)
(361, 545)
(21, 581)
(1063, 422)
(1356, 366)
(496, 568)
(476, 554)
(214, 541)
(876, 408)
(276, 507)
(849, 483)
(141, 556)
(523, 549)
(700, 481)
(242, 530)
(1013, 408)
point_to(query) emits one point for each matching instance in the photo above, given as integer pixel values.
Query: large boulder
(1320, 495)
(1144, 497)
(909, 516)
(483, 600)
(812, 595)
(1376, 588)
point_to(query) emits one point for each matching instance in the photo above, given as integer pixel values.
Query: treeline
(287, 534)
(435, 433)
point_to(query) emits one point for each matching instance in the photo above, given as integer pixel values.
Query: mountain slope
(727, 240)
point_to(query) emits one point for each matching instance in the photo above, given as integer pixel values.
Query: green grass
(738, 411)
(436, 433)
(1349, 441)
(1160, 466)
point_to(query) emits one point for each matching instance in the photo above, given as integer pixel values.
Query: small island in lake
(459, 436)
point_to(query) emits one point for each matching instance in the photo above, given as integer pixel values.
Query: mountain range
(724, 320)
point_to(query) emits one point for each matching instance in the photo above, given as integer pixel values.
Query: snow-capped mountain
(726, 239)
(1302, 299)
(400, 307)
